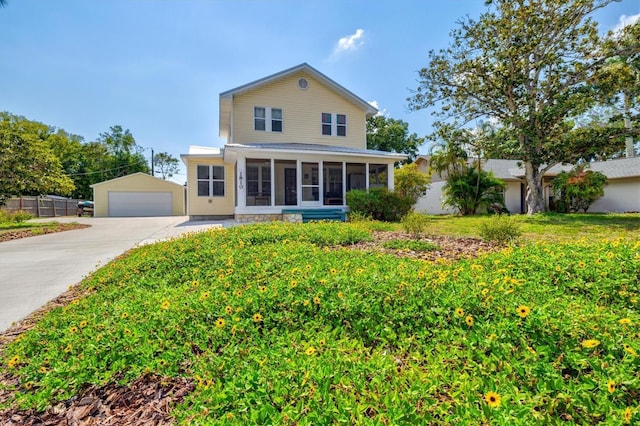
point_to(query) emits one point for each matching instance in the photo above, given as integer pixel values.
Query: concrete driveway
(37, 269)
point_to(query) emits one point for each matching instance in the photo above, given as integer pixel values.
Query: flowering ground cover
(277, 324)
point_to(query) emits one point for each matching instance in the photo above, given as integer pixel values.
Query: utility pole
(152, 163)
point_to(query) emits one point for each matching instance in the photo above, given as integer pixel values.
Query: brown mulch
(149, 399)
(16, 234)
(449, 248)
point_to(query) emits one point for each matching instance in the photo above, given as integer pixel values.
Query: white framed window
(267, 119)
(334, 124)
(210, 181)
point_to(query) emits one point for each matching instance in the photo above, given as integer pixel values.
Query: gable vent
(303, 83)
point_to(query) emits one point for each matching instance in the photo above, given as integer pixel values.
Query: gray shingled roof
(612, 169)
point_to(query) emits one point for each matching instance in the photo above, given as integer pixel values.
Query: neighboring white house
(621, 194)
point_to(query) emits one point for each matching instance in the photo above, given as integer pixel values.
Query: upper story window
(334, 124)
(267, 119)
(210, 181)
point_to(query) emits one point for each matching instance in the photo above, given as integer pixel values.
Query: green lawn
(276, 325)
(550, 227)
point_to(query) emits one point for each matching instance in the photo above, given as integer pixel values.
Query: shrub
(21, 216)
(500, 229)
(379, 203)
(411, 182)
(4, 216)
(415, 224)
(577, 190)
(470, 191)
(359, 217)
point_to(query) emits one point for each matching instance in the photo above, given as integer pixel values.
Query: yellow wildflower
(523, 311)
(310, 350)
(165, 304)
(459, 312)
(257, 317)
(590, 343)
(625, 321)
(220, 323)
(630, 350)
(627, 415)
(611, 386)
(73, 329)
(493, 399)
(14, 361)
(469, 320)
(316, 300)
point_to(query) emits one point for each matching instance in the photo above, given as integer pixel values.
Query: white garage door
(140, 204)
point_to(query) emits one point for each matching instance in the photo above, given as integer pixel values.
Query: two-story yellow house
(294, 140)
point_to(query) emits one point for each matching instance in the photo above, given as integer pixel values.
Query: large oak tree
(525, 63)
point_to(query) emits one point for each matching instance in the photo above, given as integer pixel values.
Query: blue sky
(156, 67)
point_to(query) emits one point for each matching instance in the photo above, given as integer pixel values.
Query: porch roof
(231, 150)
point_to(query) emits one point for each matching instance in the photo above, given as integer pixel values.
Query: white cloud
(626, 20)
(350, 42)
(374, 104)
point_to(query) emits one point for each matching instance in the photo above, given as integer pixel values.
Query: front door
(310, 185)
(290, 187)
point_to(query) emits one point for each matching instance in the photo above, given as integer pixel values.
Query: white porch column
(299, 183)
(241, 180)
(366, 176)
(321, 182)
(390, 183)
(344, 183)
(273, 182)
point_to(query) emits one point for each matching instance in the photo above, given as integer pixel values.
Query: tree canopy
(527, 64)
(29, 165)
(165, 164)
(40, 159)
(391, 135)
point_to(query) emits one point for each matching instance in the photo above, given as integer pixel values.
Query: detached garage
(138, 195)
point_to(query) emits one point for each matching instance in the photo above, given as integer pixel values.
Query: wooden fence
(42, 206)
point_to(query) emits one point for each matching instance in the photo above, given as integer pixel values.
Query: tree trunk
(535, 196)
(628, 141)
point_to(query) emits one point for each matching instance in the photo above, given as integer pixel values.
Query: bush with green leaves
(19, 216)
(577, 190)
(415, 224)
(501, 229)
(410, 182)
(471, 191)
(379, 203)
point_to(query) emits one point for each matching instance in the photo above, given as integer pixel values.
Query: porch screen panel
(258, 182)
(286, 182)
(356, 176)
(377, 175)
(332, 185)
(310, 182)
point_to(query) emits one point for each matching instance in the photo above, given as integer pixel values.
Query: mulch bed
(148, 400)
(449, 248)
(16, 234)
